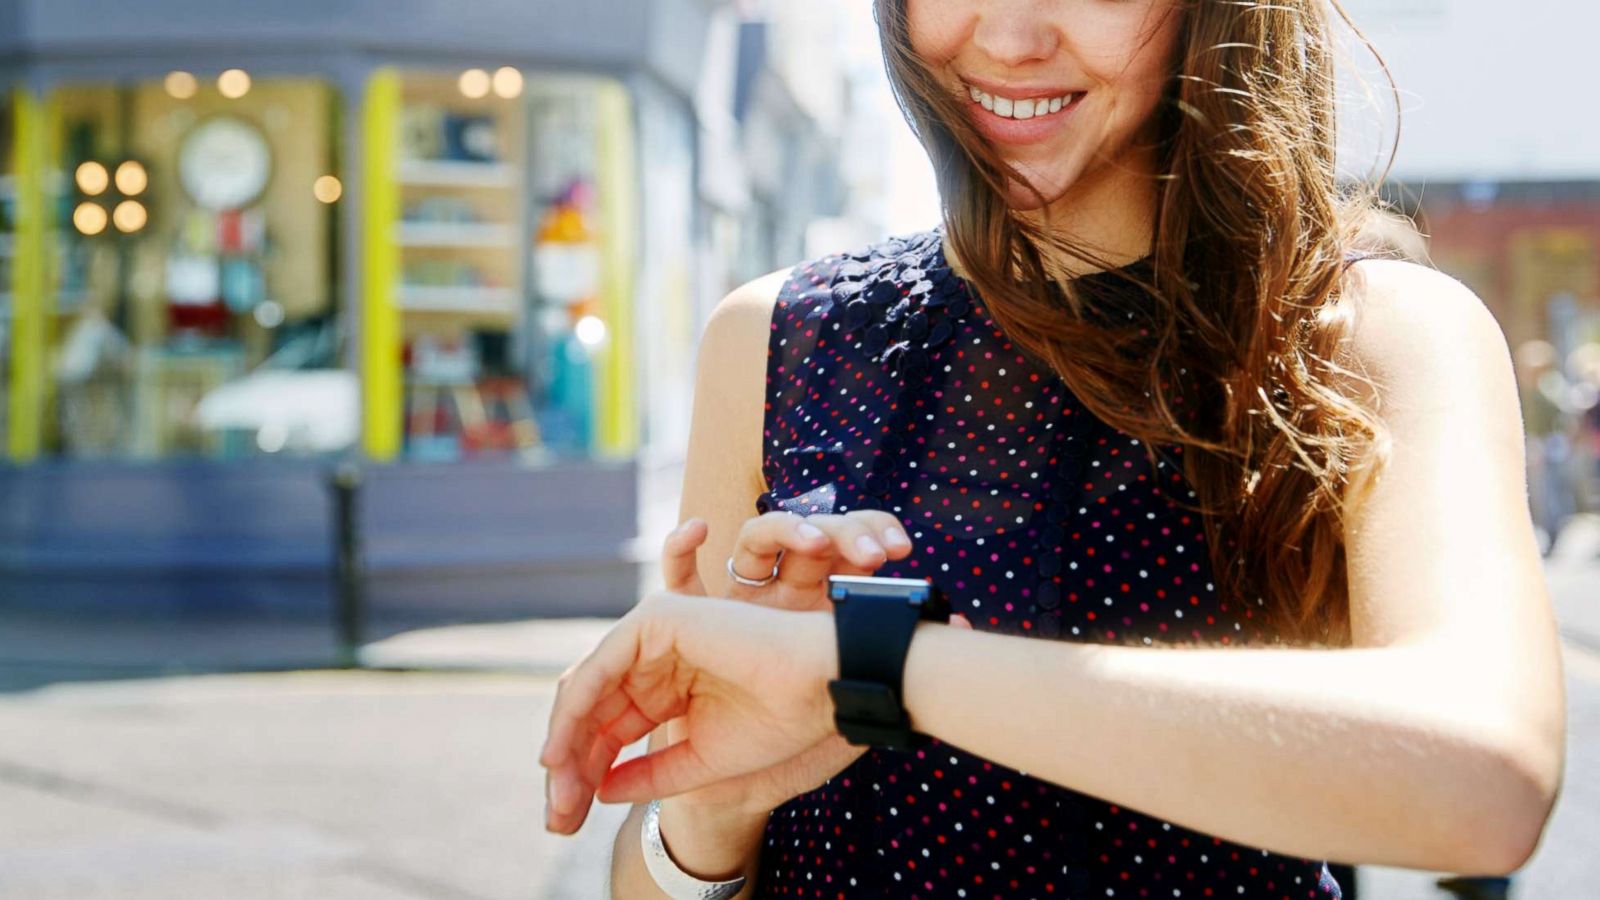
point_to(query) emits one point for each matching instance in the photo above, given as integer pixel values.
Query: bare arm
(1436, 742)
(722, 478)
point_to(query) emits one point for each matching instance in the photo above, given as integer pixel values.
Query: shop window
(499, 272)
(196, 305)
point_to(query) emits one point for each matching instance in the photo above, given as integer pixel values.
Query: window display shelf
(456, 174)
(455, 234)
(462, 287)
(429, 298)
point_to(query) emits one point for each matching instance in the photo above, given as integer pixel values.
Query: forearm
(1351, 754)
(706, 844)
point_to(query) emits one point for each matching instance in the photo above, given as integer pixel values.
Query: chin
(1019, 197)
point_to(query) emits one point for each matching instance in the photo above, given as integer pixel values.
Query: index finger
(599, 672)
(679, 553)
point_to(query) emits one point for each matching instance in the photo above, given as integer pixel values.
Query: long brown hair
(1236, 363)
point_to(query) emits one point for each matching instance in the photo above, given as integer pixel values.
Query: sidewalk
(40, 648)
(541, 647)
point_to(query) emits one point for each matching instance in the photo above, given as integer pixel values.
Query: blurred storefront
(1531, 250)
(239, 247)
(1515, 216)
(1522, 246)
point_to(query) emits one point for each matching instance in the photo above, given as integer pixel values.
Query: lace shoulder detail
(900, 297)
(888, 305)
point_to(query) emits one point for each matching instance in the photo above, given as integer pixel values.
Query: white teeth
(1019, 109)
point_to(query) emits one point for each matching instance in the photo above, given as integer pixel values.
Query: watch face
(224, 163)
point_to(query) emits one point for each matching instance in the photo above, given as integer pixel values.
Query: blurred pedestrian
(1542, 389)
(1583, 363)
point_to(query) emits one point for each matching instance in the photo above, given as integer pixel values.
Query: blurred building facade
(470, 247)
(1499, 165)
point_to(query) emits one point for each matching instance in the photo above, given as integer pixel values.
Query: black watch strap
(874, 620)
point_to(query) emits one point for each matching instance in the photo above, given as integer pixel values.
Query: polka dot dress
(889, 387)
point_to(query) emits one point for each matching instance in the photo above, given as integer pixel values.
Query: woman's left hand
(749, 681)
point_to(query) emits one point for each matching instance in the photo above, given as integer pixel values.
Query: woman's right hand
(814, 547)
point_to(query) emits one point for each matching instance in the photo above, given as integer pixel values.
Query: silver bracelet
(678, 884)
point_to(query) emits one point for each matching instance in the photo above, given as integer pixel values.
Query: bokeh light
(327, 188)
(474, 84)
(89, 218)
(132, 178)
(181, 85)
(591, 330)
(234, 83)
(92, 178)
(508, 82)
(130, 216)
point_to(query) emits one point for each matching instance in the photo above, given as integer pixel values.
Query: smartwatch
(874, 619)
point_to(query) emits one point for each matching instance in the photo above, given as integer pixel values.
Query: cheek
(1139, 76)
(934, 28)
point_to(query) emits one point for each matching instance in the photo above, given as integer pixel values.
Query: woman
(1238, 525)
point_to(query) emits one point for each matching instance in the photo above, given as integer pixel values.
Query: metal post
(1477, 888)
(349, 570)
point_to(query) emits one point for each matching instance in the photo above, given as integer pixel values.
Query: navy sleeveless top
(889, 387)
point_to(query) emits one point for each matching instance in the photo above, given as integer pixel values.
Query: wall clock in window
(224, 163)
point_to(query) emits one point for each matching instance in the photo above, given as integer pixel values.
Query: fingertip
(895, 539)
(687, 528)
(605, 793)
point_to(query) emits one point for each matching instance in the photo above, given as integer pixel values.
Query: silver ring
(751, 582)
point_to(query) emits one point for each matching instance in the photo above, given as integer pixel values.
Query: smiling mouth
(1030, 108)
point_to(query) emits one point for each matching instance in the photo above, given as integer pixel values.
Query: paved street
(372, 785)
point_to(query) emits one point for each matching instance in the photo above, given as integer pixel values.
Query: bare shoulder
(747, 309)
(730, 400)
(1413, 322)
(735, 336)
(1420, 333)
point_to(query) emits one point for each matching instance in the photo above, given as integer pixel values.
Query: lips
(1018, 91)
(1022, 116)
